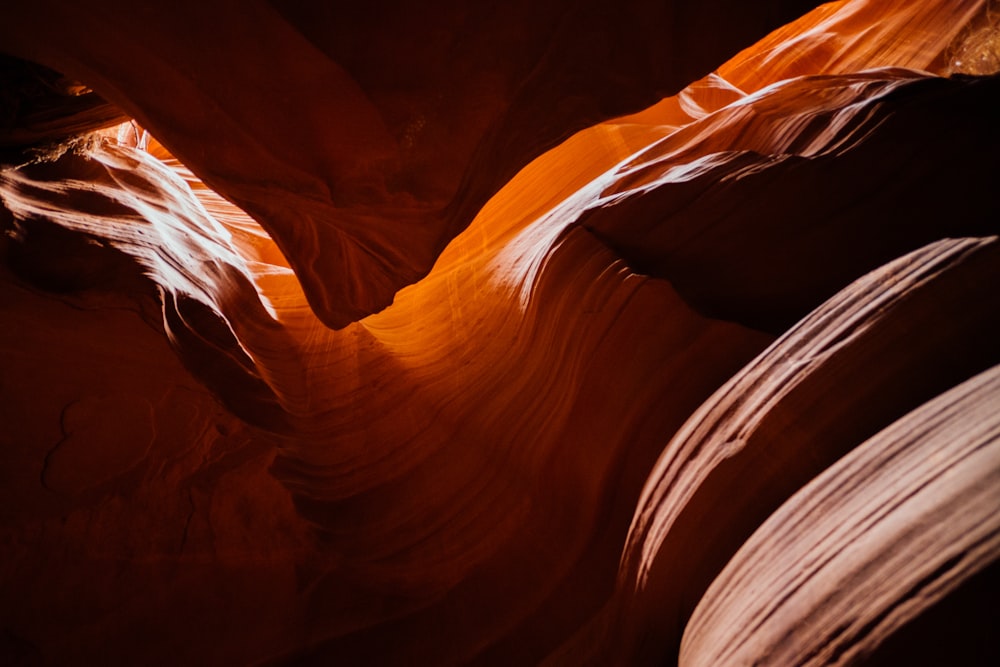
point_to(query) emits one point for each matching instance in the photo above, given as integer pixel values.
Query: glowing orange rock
(453, 479)
(363, 140)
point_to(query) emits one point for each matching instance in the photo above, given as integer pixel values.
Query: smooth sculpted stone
(364, 138)
(549, 447)
(788, 155)
(833, 380)
(895, 528)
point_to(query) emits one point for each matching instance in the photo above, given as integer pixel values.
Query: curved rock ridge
(838, 38)
(668, 211)
(889, 531)
(776, 424)
(244, 93)
(796, 113)
(124, 200)
(510, 463)
(847, 36)
(486, 491)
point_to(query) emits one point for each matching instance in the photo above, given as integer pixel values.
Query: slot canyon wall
(451, 333)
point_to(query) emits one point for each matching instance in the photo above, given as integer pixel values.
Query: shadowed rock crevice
(713, 382)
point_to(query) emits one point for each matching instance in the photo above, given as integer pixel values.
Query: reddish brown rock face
(710, 383)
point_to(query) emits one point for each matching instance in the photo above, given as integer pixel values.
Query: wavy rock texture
(890, 530)
(375, 115)
(577, 439)
(778, 423)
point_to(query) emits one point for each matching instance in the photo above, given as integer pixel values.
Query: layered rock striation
(713, 382)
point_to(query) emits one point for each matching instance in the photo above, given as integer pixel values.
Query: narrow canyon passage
(499, 333)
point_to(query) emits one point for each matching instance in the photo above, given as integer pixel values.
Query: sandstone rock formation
(710, 382)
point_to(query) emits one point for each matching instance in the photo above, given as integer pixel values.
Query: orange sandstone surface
(500, 333)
